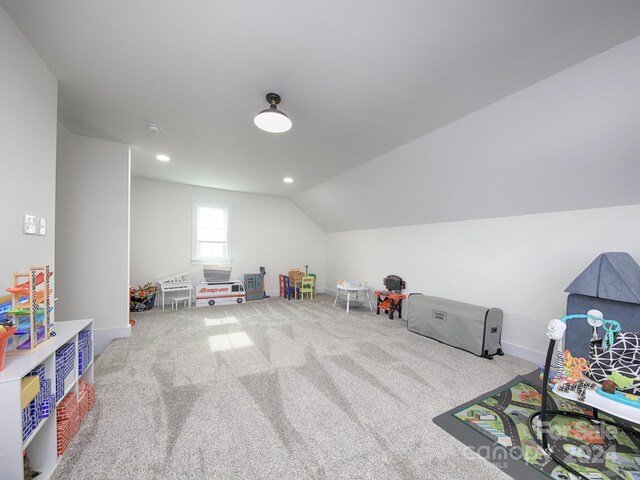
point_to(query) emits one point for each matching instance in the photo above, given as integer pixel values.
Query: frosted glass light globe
(272, 120)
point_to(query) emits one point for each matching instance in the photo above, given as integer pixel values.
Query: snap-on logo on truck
(209, 294)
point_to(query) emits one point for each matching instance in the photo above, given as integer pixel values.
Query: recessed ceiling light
(162, 157)
(154, 127)
(287, 180)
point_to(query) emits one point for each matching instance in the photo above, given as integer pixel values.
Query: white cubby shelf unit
(41, 444)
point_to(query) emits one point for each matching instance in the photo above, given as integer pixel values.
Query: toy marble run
(29, 310)
(390, 300)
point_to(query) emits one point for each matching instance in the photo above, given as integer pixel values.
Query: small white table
(349, 291)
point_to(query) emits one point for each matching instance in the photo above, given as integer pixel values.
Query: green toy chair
(315, 280)
(307, 286)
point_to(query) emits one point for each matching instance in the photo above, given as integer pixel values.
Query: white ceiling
(357, 78)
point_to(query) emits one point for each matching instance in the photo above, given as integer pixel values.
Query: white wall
(568, 142)
(265, 231)
(28, 104)
(92, 239)
(520, 264)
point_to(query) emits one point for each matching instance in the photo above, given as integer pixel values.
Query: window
(210, 233)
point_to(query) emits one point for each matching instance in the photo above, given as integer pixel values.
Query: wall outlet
(30, 224)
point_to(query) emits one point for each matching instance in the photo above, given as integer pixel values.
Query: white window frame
(195, 259)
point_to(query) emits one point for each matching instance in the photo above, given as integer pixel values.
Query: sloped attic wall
(567, 143)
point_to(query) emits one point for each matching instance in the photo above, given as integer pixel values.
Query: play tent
(611, 284)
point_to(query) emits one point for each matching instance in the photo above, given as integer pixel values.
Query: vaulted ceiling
(358, 79)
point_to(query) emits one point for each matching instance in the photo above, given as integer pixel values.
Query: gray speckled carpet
(273, 389)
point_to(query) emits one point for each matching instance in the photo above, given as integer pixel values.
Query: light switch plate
(30, 224)
(42, 226)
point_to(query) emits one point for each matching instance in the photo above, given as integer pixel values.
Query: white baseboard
(102, 337)
(523, 352)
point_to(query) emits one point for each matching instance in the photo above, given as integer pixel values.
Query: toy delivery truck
(209, 294)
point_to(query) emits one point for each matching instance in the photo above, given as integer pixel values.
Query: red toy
(390, 300)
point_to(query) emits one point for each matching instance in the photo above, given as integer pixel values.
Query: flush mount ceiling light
(271, 119)
(162, 157)
(287, 180)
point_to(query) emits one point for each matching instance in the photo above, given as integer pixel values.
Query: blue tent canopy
(611, 276)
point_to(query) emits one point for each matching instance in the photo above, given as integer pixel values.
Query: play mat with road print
(597, 452)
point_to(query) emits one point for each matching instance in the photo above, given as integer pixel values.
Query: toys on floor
(220, 293)
(253, 286)
(390, 300)
(292, 284)
(179, 284)
(142, 297)
(263, 272)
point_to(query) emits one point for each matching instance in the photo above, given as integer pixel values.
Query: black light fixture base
(273, 98)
